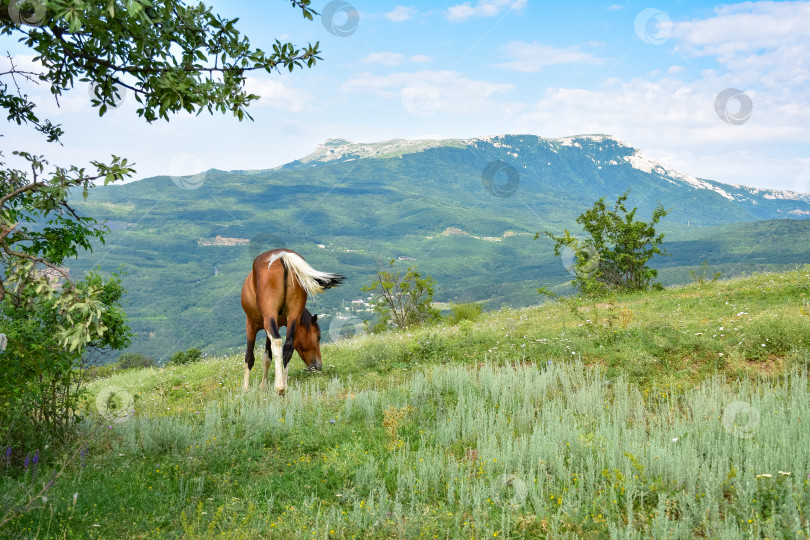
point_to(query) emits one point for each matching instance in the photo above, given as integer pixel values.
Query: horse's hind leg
(251, 330)
(275, 349)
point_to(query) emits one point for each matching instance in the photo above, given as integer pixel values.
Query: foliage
(186, 57)
(402, 301)
(185, 357)
(36, 219)
(701, 276)
(42, 379)
(130, 360)
(617, 253)
(464, 312)
(172, 57)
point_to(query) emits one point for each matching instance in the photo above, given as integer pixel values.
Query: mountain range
(463, 210)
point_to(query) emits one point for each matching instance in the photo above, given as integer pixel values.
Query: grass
(644, 415)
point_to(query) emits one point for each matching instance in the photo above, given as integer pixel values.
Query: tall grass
(641, 416)
(474, 451)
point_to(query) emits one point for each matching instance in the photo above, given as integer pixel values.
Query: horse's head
(308, 341)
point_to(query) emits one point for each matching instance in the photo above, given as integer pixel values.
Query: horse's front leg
(289, 347)
(268, 354)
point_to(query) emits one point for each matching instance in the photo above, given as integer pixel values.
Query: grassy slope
(207, 314)
(371, 210)
(569, 418)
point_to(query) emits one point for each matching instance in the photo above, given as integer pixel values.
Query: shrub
(776, 334)
(186, 357)
(42, 378)
(616, 255)
(701, 277)
(460, 312)
(402, 301)
(135, 360)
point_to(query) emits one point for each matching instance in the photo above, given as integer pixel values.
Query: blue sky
(648, 74)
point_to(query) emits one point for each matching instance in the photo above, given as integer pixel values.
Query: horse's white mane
(310, 279)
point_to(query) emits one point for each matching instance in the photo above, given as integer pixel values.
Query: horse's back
(263, 291)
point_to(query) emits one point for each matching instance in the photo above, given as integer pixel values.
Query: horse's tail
(313, 281)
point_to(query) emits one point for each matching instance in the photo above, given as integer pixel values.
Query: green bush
(776, 334)
(42, 378)
(402, 301)
(616, 255)
(461, 312)
(135, 360)
(186, 357)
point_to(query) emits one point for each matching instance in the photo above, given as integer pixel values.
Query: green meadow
(683, 413)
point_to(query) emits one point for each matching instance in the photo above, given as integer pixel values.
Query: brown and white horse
(275, 294)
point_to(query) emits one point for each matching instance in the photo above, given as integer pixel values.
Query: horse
(274, 294)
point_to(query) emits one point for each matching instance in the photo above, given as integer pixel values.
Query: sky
(719, 91)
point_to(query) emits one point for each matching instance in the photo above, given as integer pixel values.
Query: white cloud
(384, 58)
(675, 121)
(275, 93)
(532, 57)
(394, 59)
(759, 43)
(450, 91)
(615, 7)
(401, 13)
(745, 27)
(484, 8)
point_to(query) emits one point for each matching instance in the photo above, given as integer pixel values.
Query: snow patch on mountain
(642, 162)
(333, 150)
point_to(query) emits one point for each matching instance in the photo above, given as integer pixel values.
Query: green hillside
(678, 413)
(187, 251)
